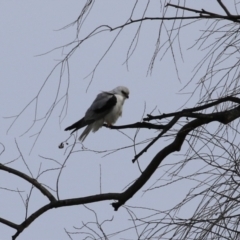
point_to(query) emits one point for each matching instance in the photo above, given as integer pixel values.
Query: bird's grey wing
(101, 106)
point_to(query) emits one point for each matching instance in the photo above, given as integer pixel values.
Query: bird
(106, 108)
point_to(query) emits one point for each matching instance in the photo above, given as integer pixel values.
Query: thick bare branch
(222, 117)
(187, 112)
(64, 203)
(224, 7)
(137, 125)
(206, 14)
(33, 181)
(8, 223)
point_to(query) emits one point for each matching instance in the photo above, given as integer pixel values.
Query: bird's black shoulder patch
(108, 105)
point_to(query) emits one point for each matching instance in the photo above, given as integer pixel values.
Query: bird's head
(121, 90)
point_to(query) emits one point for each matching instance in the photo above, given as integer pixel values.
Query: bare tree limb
(187, 111)
(64, 203)
(224, 8)
(137, 125)
(222, 117)
(33, 181)
(8, 223)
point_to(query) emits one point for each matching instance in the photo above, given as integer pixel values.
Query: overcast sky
(32, 28)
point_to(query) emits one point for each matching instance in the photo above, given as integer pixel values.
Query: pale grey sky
(29, 29)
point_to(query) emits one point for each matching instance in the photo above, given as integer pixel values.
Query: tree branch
(186, 112)
(64, 203)
(33, 181)
(8, 223)
(222, 117)
(202, 13)
(224, 8)
(137, 125)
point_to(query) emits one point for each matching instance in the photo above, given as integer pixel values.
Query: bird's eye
(125, 94)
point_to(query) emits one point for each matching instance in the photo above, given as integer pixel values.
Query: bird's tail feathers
(94, 126)
(86, 131)
(77, 125)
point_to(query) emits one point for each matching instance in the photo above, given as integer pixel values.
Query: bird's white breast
(116, 112)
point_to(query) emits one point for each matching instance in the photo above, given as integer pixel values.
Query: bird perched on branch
(106, 108)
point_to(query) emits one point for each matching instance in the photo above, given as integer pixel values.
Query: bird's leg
(108, 124)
